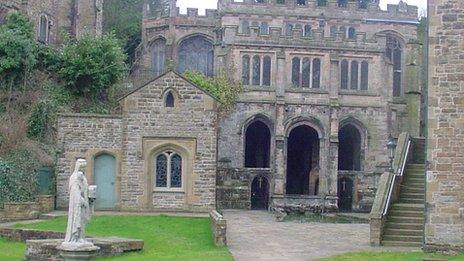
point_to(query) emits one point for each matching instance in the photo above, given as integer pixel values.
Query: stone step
(401, 244)
(404, 213)
(414, 185)
(406, 220)
(413, 180)
(408, 207)
(412, 200)
(414, 175)
(406, 226)
(413, 190)
(403, 238)
(406, 232)
(412, 195)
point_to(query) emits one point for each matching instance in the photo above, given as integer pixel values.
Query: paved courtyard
(255, 235)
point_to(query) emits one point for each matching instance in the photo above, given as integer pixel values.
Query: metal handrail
(398, 172)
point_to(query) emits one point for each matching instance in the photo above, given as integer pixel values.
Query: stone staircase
(405, 221)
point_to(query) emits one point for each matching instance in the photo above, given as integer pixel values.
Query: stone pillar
(332, 169)
(413, 87)
(280, 155)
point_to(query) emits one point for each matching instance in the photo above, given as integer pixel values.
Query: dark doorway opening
(259, 193)
(302, 158)
(345, 194)
(257, 145)
(349, 148)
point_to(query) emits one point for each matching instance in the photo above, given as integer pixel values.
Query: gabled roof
(163, 75)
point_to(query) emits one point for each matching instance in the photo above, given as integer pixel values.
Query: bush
(91, 65)
(18, 177)
(42, 119)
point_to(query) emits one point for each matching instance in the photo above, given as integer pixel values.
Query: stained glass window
(176, 171)
(306, 73)
(316, 73)
(296, 72)
(364, 75)
(158, 57)
(354, 75)
(267, 71)
(246, 70)
(161, 171)
(344, 75)
(256, 70)
(196, 54)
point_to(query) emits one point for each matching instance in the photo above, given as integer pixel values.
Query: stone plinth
(48, 249)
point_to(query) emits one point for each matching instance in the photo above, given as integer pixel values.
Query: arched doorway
(302, 159)
(349, 148)
(259, 193)
(345, 194)
(105, 179)
(257, 145)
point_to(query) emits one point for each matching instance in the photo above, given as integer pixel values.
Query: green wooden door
(105, 179)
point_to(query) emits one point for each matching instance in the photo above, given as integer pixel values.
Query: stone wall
(27, 210)
(84, 136)
(444, 228)
(219, 228)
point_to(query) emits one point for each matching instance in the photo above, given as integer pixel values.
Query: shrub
(91, 65)
(41, 121)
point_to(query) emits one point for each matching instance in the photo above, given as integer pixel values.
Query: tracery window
(196, 54)
(43, 29)
(306, 72)
(395, 53)
(260, 71)
(168, 170)
(158, 57)
(354, 75)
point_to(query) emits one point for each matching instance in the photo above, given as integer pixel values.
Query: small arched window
(352, 33)
(307, 30)
(354, 75)
(364, 75)
(168, 170)
(43, 29)
(246, 70)
(344, 75)
(158, 57)
(169, 100)
(267, 71)
(245, 27)
(289, 30)
(316, 73)
(306, 73)
(296, 72)
(264, 28)
(256, 79)
(394, 52)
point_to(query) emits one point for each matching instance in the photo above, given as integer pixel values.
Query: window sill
(259, 88)
(306, 90)
(357, 93)
(166, 190)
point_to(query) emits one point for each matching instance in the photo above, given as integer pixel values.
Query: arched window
(168, 170)
(307, 30)
(354, 75)
(246, 70)
(306, 73)
(344, 75)
(349, 149)
(267, 71)
(43, 29)
(257, 145)
(196, 54)
(245, 27)
(256, 80)
(264, 28)
(352, 33)
(296, 72)
(364, 75)
(395, 53)
(316, 73)
(289, 30)
(158, 57)
(169, 101)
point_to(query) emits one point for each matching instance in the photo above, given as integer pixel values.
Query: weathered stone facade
(54, 19)
(444, 228)
(146, 128)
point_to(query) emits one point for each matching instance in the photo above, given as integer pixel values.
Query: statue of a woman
(79, 209)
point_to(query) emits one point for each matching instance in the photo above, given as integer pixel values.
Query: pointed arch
(196, 53)
(170, 98)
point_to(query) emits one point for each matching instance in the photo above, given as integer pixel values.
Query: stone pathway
(255, 235)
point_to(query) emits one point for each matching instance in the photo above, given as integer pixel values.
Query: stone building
(444, 225)
(326, 83)
(54, 19)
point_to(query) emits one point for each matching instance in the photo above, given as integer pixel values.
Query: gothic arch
(310, 121)
(353, 143)
(196, 52)
(258, 142)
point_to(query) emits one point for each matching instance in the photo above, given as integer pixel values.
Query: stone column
(280, 156)
(413, 85)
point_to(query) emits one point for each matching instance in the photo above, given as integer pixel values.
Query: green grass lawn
(394, 256)
(166, 238)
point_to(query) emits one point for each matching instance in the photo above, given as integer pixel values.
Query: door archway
(260, 193)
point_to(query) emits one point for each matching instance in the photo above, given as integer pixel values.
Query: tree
(90, 66)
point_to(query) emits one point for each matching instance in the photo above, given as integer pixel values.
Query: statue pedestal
(78, 252)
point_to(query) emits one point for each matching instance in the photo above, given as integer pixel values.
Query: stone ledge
(89, 115)
(219, 227)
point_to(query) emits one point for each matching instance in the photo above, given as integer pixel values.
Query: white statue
(79, 210)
